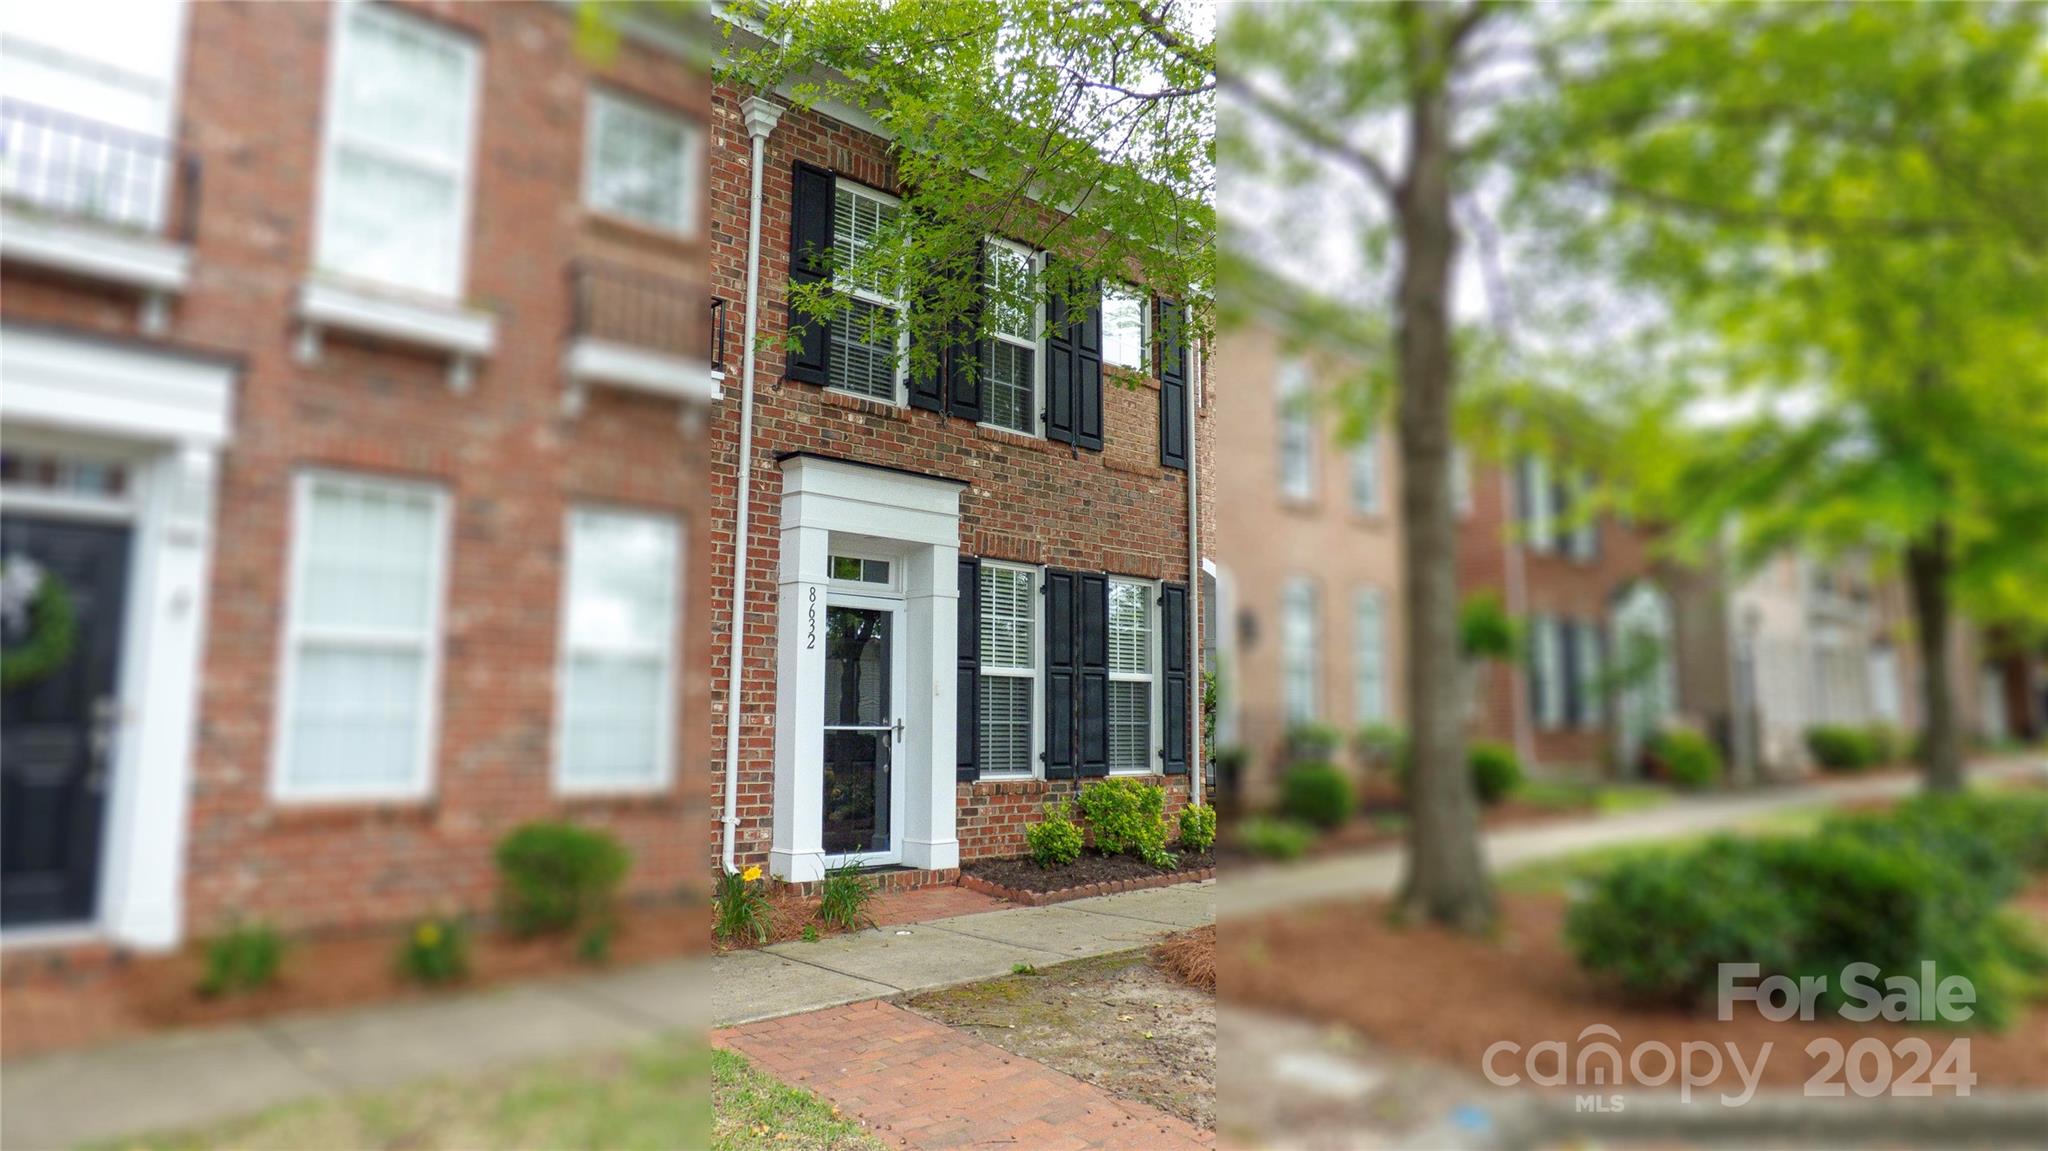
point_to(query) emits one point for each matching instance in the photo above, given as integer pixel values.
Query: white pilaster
(931, 588)
(797, 850)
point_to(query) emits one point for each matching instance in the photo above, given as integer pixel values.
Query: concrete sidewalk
(1252, 890)
(184, 1079)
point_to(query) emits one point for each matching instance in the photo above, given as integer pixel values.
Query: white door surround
(833, 506)
(167, 414)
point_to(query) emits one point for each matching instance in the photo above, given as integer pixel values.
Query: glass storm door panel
(859, 730)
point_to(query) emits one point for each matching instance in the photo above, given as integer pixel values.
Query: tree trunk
(1927, 572)
(1446, 879)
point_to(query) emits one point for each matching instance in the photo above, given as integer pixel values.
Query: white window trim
(1380, 710)
(330, 142)
(869, 296)
(595, 104)
(1314, 655)
(1035, 403)
(1291, 401)
(1155, 732)
(1118, 287)
(282, 791)
(1037, 600)
(566, 649)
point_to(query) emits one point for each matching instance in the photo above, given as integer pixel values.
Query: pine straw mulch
(1190, 957)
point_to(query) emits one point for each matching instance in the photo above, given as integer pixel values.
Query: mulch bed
(1446, 996)
(1190, 957)
(1022, 881)
(55, 1008)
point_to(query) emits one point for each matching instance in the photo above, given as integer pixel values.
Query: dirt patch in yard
(1021, 874)
(1448, 996)
(1115, 1021)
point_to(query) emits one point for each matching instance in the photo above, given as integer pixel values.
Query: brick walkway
(923, 1085)
(926, 903)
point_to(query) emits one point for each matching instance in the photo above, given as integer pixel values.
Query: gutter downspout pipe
(761, 116)
(1198, 763)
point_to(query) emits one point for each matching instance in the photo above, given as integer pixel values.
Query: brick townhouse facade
(358, 390)
(966, 593)
(1309, 537)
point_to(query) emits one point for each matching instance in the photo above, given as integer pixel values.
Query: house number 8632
(811, 634)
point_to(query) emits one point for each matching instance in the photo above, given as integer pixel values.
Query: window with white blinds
(1365, 475)
(642, 164)
(362, 639)
(1009, 668)
(617, 681)
(1546, 669)
(1592, 673)
(1369, 656)
(1297, 432)
(394, 201)
(869, 342)
(1010, 388)
(1300, 651)
(1131, 693)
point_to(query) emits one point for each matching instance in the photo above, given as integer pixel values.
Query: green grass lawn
(1565, 795)
(1562, 874)
(678, 1094)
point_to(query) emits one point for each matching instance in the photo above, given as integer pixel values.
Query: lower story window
(1009, 668)
(1130, 676)
(618, 667)
(1300, 653)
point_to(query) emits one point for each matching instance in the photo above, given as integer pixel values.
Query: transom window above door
(401, 124)
(861, 569)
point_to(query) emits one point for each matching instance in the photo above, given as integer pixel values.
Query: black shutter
(1060, 672)
(810, 261)
(928, 371)
(1059, 416)
(967, 731)
(1087, 341)
(1169, 326)
(966, 357)
(1568, 641)
(1173, 658)
(1091, 611)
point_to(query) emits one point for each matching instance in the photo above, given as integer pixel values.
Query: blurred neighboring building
(1309, 544)
(358, 362)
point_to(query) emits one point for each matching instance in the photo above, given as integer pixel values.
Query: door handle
(899, 728)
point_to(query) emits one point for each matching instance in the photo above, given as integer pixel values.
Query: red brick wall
(1027, 499)
(251, 108)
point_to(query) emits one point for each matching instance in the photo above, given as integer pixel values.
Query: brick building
(965, 593)
(357, 386)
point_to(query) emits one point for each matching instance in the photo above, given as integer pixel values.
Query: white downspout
(761, 116)
(1197, 764)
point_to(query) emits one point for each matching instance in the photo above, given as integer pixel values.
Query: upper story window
(1297, 432)
(1365, 475)
(401, 126)
(1538, 504)
(1300, 651)
(869, 342)
(1126, 325)
(362, 639)
(1131, 697)
(1461, 480)
(1010, 383)
(617, 680)
(641, 165)
(1009, 668)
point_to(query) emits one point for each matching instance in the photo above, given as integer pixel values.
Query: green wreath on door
(52, 626)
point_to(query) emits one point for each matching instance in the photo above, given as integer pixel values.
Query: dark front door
(55, 732)
(858, 731)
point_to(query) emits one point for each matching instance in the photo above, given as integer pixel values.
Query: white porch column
(143, 900)
(931, 586)
(797, 850)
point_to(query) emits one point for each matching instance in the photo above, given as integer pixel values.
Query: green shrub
(1381, 746)
(1886, 743)
(1313, 742)
(1275, 838)
(1197, 827)
(244, 958)
(1685, 757)
(556, 876)
(1496, 773)
(1317, 794)
(740, 907)
(1661, 925)
(435, 951)
(844, 895)
(1838, 748)
(594, 946)
(1128, 816)
(1486, 630)
(1055, 841)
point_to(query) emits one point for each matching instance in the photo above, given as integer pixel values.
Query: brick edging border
(1086, 890)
